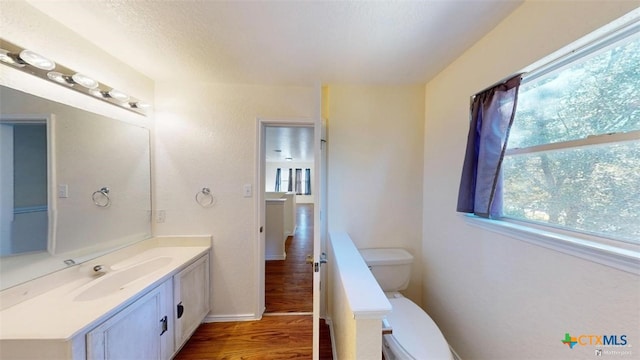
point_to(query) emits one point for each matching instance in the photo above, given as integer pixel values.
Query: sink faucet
(99, 269)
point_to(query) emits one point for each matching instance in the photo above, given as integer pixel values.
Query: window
(300, 183)
(573, 155)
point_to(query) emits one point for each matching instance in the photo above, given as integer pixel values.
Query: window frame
(614, 253)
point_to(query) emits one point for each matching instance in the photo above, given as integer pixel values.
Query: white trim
(231, 318)
(598, 40)
(625, 259)
(301, 313)
(590, 140)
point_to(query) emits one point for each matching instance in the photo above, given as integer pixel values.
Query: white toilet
(414, 334)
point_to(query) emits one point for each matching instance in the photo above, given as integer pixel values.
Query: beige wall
(494, 296)
(375, 154)
(206, 137)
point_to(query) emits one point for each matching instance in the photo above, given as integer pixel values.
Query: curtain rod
(498, 83)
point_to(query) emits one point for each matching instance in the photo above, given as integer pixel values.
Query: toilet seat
(414, 332)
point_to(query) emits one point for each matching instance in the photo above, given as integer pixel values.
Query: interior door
(318, 217)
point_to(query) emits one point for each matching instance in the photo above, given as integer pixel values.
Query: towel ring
(101, 197)
(205, 198)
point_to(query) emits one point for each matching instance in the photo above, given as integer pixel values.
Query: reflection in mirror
(23, 186)
(60, 156)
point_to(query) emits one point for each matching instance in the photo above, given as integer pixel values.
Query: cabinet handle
(165, 325)
(180, 309)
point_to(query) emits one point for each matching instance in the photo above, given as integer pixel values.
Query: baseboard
(230, 318)
(275, 257)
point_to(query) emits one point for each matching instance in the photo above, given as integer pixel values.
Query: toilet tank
(391, 267)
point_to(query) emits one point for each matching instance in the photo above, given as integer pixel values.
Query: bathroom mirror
(74, 185)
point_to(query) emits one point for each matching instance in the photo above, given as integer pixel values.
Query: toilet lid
(416, 332)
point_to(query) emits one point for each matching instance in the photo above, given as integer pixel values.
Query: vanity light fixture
(35, 64)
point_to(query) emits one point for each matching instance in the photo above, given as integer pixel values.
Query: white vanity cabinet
(158, 324)
(191, 302)
(139, 331)
(147, 305)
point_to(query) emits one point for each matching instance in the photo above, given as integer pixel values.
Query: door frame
(259, 192)
(49, 121)
(315, 121)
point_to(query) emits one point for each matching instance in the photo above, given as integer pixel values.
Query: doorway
(289, 191)
(314, 127)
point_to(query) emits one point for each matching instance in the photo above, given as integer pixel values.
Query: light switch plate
(63, 191)
(247, 190)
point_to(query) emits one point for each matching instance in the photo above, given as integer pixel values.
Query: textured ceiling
(283, 42)
(293, 142)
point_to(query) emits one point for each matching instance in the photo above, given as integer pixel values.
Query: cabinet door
(139, 331)
(191, 299)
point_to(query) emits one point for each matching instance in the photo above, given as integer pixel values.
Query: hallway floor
(285, 330)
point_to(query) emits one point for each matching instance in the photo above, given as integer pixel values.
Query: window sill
(622, 258)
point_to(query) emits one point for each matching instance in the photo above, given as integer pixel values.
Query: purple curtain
(492, 113)
(298, 181)
(278, 172)
(290, 185)
(307, 181)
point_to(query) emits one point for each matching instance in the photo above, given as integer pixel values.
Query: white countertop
(57, 315)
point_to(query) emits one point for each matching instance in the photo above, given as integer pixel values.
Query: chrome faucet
(99, 269)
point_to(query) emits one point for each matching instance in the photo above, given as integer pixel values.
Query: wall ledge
(366, 298)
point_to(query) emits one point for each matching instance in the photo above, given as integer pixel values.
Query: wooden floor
(285, 331)
(273, 337)
(289, 283)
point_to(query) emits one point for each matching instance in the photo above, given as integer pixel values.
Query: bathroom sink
(117, 280)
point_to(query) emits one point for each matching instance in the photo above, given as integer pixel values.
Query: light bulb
(8, 59)
(118, 95)
(85, 81)
(37, 60)
(97, 93)
(59, 78)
